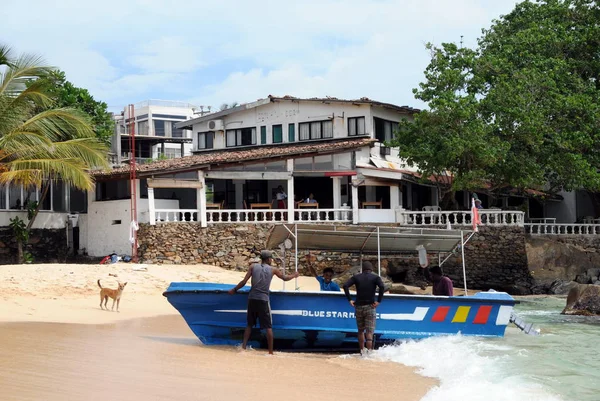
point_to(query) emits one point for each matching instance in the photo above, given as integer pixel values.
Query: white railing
(562, 229)
(254, 215)
(175, 215)
(461, 218)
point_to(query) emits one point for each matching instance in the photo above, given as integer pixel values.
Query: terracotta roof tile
(230, 156)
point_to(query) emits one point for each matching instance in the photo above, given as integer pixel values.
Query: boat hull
(325, 320)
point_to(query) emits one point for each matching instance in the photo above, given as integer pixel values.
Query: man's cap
(266, 254)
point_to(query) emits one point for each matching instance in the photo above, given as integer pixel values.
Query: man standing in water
(366, 283)
(258, 297)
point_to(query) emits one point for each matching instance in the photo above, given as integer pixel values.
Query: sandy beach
(59, 345)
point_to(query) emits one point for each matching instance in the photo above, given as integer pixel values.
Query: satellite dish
(287, 243)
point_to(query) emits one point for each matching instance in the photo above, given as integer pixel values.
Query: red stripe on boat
(483, 313)
(440, 314)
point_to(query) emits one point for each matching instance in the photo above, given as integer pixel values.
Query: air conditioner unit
(215, 125)
(384, 151)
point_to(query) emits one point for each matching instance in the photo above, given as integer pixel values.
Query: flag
(476, 220)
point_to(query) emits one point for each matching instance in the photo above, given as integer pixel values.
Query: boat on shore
(325, 320)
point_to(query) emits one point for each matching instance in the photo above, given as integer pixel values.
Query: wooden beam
(172, 183)
(248, 175)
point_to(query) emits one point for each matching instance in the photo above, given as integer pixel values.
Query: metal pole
(378, 252)
(283, 265)
(462, 250)
(296, 252)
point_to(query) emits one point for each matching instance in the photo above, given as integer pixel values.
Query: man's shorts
(260, 310)
(365, 318)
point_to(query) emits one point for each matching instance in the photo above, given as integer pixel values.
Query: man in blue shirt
(325, 280)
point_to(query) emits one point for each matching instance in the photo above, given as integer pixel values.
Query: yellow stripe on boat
(461, 314)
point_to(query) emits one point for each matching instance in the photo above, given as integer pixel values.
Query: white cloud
(221, 51)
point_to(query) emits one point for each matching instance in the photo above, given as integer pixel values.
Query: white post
(394, 197)
(201, 200)
(462, 250)
(151, 208)
(337, 192)
(290, 191)
(378, 253)
(354, 205)
(296, 253)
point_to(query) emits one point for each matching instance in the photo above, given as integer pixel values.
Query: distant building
(155, 131)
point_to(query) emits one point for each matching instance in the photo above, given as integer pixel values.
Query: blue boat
(307, 320)
(325, 320)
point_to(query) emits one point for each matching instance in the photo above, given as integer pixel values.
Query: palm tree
(38, 142)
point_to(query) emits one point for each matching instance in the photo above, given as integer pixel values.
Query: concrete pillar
(151, 207)
(182, 149)
(337, 192)
(354, 204)
(395, 199)
(201, 200)
(290, 191)
(162, 148)
(239, 193)
(409, 205)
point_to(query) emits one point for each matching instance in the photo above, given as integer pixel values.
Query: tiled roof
(229, 156)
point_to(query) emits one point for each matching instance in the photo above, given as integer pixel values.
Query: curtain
(327, 129)
(304, 131)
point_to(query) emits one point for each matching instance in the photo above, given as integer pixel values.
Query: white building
(155, 131)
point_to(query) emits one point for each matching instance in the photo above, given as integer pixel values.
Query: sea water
(563, 363)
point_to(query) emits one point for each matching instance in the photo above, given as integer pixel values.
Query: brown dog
(114, 294)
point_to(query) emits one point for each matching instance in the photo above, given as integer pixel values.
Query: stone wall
(45, 245)
(495, 257)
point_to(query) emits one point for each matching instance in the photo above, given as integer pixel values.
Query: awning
(392, 240)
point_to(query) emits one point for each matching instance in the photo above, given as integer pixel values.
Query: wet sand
(160, 359)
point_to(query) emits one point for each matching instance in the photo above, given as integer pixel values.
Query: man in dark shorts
(365, 305)
(258, 297)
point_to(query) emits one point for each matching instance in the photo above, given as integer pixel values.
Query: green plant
(27, 257)
(21, 233)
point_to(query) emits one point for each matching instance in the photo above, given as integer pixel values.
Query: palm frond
(20, 70)
(60, 124)
(33, 172)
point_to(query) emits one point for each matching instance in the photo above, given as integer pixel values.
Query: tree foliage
(37, 141)
(65, 94)
(522, 110)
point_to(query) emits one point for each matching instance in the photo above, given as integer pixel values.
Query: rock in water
(583, 299)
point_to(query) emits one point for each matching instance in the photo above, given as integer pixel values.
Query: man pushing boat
(366, 284)
(258, 297)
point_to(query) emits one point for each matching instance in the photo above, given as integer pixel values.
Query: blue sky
(211, 52)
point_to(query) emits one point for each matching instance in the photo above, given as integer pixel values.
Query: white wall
(105, 235)
(565, 211)
(288, 112)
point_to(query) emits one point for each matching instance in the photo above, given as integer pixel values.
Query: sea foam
(468, 369)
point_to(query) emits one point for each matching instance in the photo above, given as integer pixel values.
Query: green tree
(520, 111)
(65, 94)
(37, 146)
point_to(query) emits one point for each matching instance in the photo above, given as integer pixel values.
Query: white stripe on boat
(504, 315)
(273, 312)
(418, 315)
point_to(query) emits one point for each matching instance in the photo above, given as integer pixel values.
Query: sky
(213, 52)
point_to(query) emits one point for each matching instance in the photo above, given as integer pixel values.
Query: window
(316, 130)
(263, 135)
(205, 140)
(241, 137)
(112, 190)
(169, 116)
(143, 128)
(176, 132)
(171, 153)
(291, 133)
(384, 129)
(277, 134)
(356, 126)
(159, 128)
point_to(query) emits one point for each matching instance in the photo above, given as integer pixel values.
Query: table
(260, 206)
(544, 220)
(367, 204)
(308, 205)
(213, 206)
